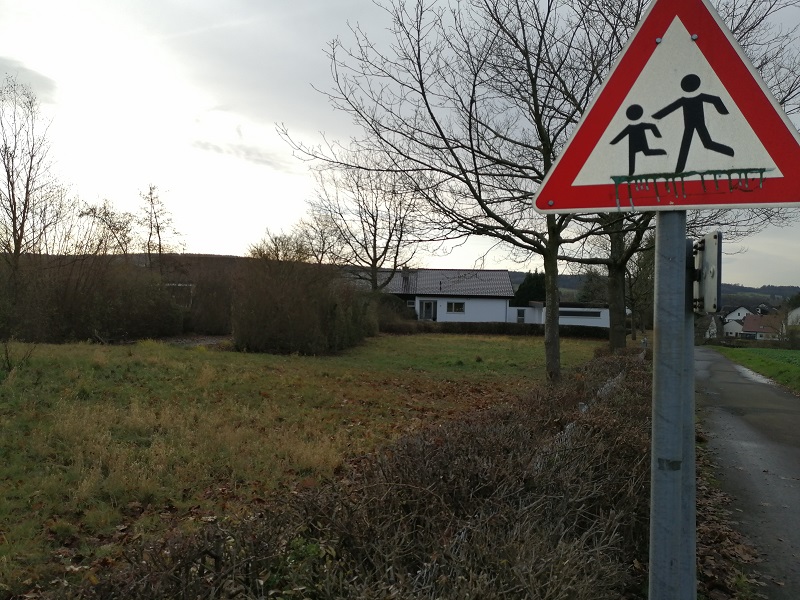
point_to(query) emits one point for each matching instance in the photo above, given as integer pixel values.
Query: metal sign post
(667, 542)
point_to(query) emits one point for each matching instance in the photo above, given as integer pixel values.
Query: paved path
(754, 430)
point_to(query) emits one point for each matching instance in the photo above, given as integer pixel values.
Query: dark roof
(452, 282)
(762, 324)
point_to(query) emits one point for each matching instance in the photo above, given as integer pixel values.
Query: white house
(479, 296)
(465, 295)
(733, 328)
(733, 321)
(571, 313)
(737, 315)
(793, 318)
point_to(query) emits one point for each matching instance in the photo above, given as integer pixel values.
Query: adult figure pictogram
(694, 119)
(637, 137)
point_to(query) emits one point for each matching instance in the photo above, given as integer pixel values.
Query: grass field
(101, 445)
(782, 366)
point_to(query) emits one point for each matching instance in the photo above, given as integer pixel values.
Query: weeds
(10, 362)
(528, 499)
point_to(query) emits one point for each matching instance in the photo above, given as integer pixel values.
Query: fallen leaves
(723, 554)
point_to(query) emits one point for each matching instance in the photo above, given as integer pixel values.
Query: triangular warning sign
(683, 121)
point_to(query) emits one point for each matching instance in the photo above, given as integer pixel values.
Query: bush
(210, 313)
(393, 313)
(289, 307)
(794, 338)
(136, 305)
(59, 299)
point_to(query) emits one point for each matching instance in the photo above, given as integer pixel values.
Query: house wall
(737, 315)
(732, 329)
(531, 314)
(476, 310)
(594, 317)
(794, 317)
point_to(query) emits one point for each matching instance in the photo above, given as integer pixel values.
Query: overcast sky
(185, 95)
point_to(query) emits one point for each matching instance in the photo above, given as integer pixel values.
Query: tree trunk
(552, 343)
(616, 286)
(616, 306)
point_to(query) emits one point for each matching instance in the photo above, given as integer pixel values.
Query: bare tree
(770, 42)
(640, 285)
(31, 204)
(318, 233)
(371, 216)
(281, 247)
(28, 194)
(611, 240)
(118, 227)
(159, 234)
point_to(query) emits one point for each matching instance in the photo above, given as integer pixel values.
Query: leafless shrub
(13, 357)
(283, 307)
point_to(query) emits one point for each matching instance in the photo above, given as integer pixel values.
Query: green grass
(103, 444)
(782, 366)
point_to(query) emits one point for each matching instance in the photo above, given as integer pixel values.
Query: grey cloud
(259, 60)
(249, 153)
(42, 85)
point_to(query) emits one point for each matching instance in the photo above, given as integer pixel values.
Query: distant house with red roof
(762, 327)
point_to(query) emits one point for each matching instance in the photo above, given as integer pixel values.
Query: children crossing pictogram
(694, 120)
(637, 137)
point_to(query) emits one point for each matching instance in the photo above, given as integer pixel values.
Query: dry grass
(101, 445)
(531, 499)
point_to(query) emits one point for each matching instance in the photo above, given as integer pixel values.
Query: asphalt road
(754, 433)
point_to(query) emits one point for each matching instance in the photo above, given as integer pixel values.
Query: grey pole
(667, 459)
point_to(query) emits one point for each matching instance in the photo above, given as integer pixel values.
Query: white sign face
(728, 141)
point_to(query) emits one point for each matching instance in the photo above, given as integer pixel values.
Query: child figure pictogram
(637, 137)
(694, 119)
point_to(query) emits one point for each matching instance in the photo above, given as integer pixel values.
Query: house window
(455, 307)
(520, 315)
(410, 303)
